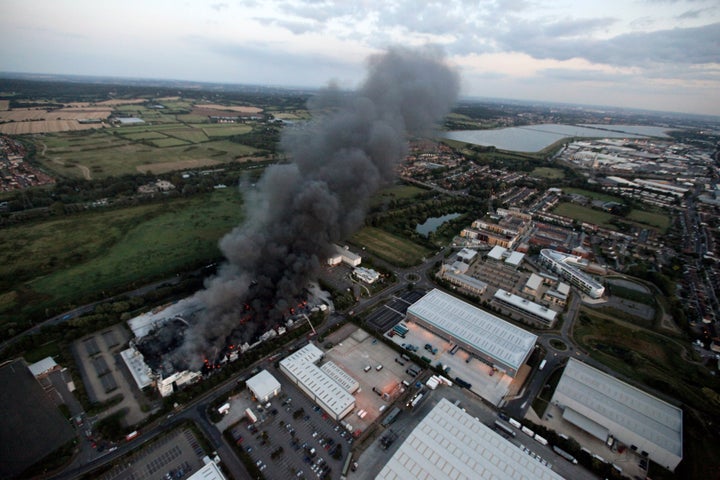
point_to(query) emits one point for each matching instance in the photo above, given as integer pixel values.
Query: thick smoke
(298, 210)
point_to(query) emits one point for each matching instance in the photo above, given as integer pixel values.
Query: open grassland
(395, 192)
(392, 249)
(138, 148)
(548, 172)
(594, 195)
(61, 260)
(584, 214)
(657, 220)
(231, 108)
(661, 363)
(225, 130)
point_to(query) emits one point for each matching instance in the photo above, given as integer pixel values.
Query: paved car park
(293, 422)
(492, 385)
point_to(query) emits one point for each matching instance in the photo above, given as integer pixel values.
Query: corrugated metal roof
(485, 332)
(604, 399)
(449, 443)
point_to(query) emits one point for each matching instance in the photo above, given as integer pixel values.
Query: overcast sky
(654, 54)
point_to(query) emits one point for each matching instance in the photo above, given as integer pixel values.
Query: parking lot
(489, 384)
(282, 441)
(178, 455)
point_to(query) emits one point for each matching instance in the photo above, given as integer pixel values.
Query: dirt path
(85, 170)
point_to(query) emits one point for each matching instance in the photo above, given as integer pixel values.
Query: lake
(432, 224)
(533, 138)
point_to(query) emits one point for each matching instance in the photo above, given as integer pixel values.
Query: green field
(594, 195)
(59, 261)
(653, 219)
(395, 192)
(548, 172)
(584, 214)
(106, 154)
(390, 248)
(217, 130)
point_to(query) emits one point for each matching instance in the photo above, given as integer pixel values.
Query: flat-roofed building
(602, 405)
(209, 471)
(497, 252)
(532, 286)
(466, 255)
(466, 282)
(568, 266)
(264, 386)
(340, 376)
(344, 255)
(487, 337)
(530, 310)
(301, 368)
(515, 259)
(140, 371)
(449, 443)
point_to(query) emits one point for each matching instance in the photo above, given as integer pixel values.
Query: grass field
(61, 260)
(584, 214)
(106, 154)
(653, 219)
(594, 195)
(213, 131)
(548, 172)
(390, 248)
(395, 192)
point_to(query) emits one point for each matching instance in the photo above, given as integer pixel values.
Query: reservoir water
(432, 224)
(533, 138)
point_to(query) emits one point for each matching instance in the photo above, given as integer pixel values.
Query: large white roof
(210, 471)
(449, 443)
(43, 366)
(139, 370)
(301, 365)
(482, 330)
(612, 402)
(263, 384)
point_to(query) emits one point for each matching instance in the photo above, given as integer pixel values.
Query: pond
(432, 224)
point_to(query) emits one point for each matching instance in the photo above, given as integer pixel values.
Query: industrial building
(482, 334)
(331, 396)
(263, 386)
(457, 277)
(604, 406)
(568, 267)
(141, 373)
(449, 443)
(344, 255)
(530, 310)
(367, 275)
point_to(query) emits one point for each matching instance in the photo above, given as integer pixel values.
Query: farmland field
(390, 248)
(231, 108)
(106, 154)
(63, 259)
(225, 130)
(395, 192)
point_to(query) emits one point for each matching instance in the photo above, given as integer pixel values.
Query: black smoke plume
(298, 210)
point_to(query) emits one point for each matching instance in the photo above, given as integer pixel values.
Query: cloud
(696, 45)
(219, 6)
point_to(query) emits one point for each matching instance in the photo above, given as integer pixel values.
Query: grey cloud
(298, 27)
(697, 45)
(219, 6)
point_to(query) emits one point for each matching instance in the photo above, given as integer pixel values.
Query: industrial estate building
(482, 334)
(449, 443)
(604, 406)
(568, 267)
(455, 274)
(531, 310)
(333, 397)
(344, 255)
(263, 386)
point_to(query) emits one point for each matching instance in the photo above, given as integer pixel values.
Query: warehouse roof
(301, 365)
(481, 330)
(340, 376)
(449, 443)
(597, 394)
(43, 366)
(263, 384)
